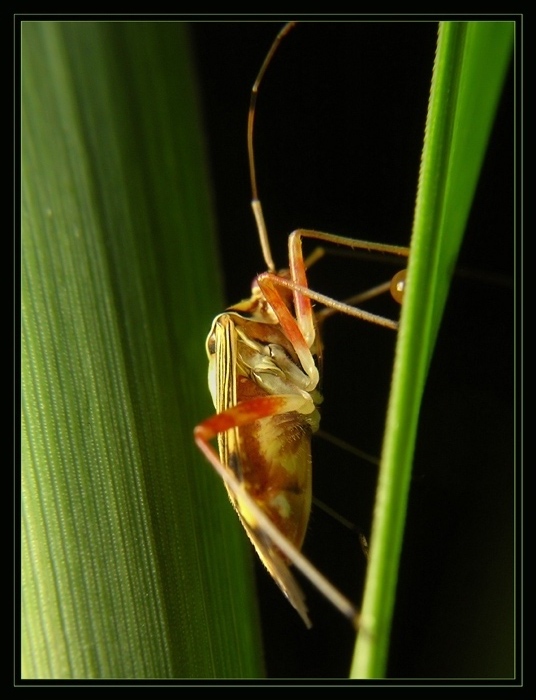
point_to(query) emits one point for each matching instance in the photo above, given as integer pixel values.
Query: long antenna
(255, 202)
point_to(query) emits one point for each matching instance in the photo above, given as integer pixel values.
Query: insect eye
(398, 285)
(211, 345)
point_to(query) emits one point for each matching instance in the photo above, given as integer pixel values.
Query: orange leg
(302, 303)
(251, 410)
(301, 330)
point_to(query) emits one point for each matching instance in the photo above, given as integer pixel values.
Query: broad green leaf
(133, 563)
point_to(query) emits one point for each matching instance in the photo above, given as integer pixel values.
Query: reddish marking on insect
(263, 377)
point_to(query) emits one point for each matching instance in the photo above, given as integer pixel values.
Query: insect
(263, 376)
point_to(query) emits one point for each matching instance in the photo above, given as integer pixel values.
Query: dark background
(339, 131)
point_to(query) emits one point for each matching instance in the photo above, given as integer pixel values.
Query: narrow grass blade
(469, 70)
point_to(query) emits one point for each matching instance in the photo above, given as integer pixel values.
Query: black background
(339, 131)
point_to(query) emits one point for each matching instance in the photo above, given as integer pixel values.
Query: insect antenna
(255, 202)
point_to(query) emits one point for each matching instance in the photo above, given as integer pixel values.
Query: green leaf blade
(133, 563)
(470, 67)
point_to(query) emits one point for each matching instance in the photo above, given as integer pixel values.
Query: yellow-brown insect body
(271, 456)
(264, 376)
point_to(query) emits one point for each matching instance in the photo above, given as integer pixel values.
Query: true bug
(263, 376)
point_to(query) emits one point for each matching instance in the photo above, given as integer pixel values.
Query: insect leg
(251, 410)
(298, 266)
(269, 281)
